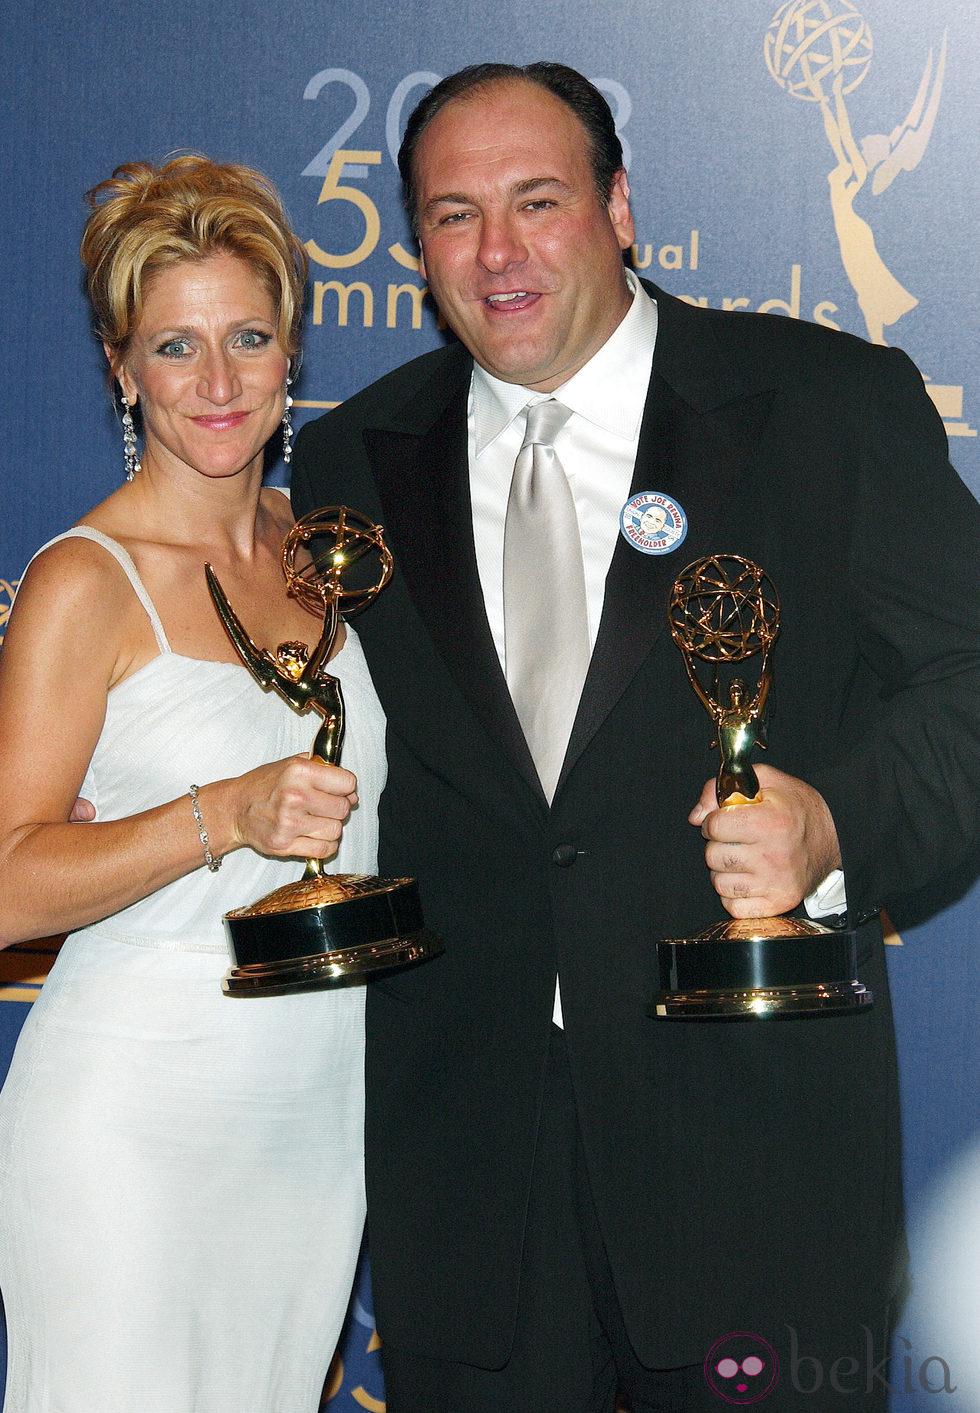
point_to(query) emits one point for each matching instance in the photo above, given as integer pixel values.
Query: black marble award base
(762, 968)
(313, 933)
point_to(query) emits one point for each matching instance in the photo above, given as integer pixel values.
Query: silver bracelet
(209, 858)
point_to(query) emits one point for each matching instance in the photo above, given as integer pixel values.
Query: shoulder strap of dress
(85, 532)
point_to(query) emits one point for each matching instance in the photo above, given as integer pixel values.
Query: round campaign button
(653, 523)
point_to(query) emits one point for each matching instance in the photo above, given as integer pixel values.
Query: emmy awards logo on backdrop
(819, 51)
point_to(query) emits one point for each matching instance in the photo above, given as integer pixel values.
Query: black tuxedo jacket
(746, 1174)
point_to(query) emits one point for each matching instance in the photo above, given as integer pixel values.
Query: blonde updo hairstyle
(146, 218)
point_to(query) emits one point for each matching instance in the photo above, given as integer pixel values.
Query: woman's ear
(126, 384)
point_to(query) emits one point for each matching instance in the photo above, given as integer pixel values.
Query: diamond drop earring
(287, 426)
(129, 441)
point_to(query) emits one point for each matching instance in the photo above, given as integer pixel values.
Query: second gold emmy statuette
(325, 926)
(724, 610)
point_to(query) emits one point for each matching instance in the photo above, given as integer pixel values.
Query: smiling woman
(207, 369)
(152, 1131)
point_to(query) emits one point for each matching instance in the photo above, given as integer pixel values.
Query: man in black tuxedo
(566, 1195)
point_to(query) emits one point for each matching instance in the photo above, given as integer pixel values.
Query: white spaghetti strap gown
(181, 1172)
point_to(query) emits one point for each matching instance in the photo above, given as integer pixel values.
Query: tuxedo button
(565, 855)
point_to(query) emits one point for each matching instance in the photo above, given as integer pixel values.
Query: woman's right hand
(293, 808)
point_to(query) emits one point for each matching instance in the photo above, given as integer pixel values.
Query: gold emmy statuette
(325, 926)
(724, 610)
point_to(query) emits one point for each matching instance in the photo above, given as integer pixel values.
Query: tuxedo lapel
(700, 428)
(419, 460)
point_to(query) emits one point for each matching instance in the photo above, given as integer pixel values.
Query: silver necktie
(546, 625)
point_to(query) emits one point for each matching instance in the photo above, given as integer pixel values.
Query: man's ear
(618, 207)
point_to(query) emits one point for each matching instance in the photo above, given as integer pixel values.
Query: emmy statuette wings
(325, 926)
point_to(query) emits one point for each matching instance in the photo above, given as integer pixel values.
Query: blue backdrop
(811, 160)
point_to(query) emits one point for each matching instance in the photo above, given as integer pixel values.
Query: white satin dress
(181, 1172)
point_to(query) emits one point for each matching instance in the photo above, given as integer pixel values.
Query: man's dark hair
(576, 92)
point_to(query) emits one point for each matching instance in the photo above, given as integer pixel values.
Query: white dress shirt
(597, 448)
